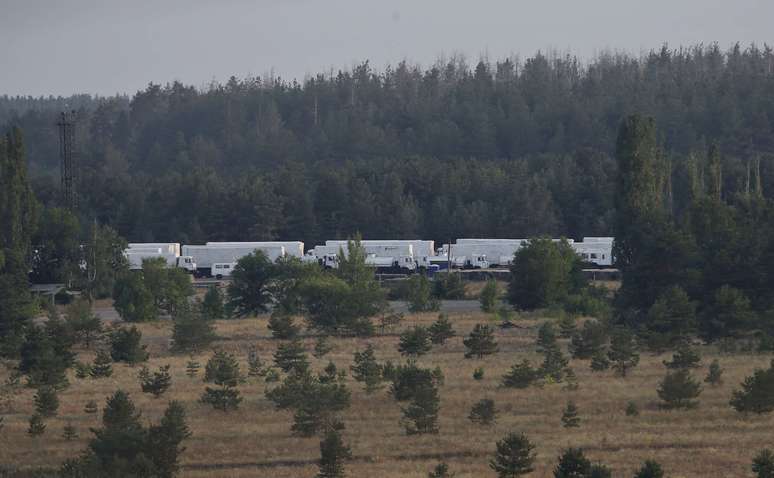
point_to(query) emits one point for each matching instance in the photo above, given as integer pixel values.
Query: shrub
(570, 418)
(414, 341)
(192, 368)
(333, 453)
(631, 409)
(90, 407)
(441, 470)
(282, 326)
(125, 346)
(589, 340)
(478, 373)
(46, 402)
(213, 307)
(441, 330)
(514, 456)
(685, 357)
(449, 286)
(757, 393)
(69, 433)
(714, 374)
(291, 356)
(255, 366)
(191, 331)
(367, 370)
(763, 464)
(156, 384)
(521, 375)
(488, 298)
(480, 342)
(650, 469)
(36, 426)
(678, 390)
(623, 352)
(420, 298)
(102, 366)
(483, 412)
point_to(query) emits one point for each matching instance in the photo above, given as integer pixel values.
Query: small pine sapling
(91, 407)
(480, 342)
(567, 326)
(483, 412)
(322, 347)
(414, 342)
(441, 330)
(650, 469)
(441, 470)
(514, 456)
(599, 361)
(478, 373)
(623, 352)
(36, 426)
(102, 366)
(571, 380)
(255, 367)
(82, 370)
(763, 464)
(156, 383)
(69, 433)
(192, 368)
(714, 374)
(272, 375)
(631, 409)
(679, 390)
(521, 375)
(46, 402)
(570, 418)
(684, 357)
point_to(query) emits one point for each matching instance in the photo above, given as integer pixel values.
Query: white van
(222, 269)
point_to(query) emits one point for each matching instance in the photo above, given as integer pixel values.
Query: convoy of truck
(217, 259)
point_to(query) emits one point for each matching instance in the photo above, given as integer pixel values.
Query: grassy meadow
(710, 441)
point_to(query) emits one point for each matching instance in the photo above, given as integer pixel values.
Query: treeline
(508, 148)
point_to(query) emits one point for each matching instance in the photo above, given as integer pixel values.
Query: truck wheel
(219, 277)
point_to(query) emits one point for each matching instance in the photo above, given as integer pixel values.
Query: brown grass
(711, 441)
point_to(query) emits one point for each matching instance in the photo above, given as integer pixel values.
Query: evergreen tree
(192, 368)
(223, 370)
(367, 370)
(650, 469)
(165, 438)
(291, 356)
(82, 322)
(415, 341)
(514, 456)
(567, 326)
(46, 354)
(631, 409)
(420, 298)
(623, 352)
(757, 392)
(599, 361)
(571, 380)
(728, 313)
(46, 402)
(573, 464)
(333, 454)
(282, 326)
(441, 470)
(521, 375)
(255, 366)
(132, 299)
(125, 346)
(119, 446)
(483, 412)
(478, 373)
(421, 416)
(570, 417)
(763, 464)
(543, 274)
(102, 366)
(91, 407)
(69, 432)
(249, 290)
(322, 347)
(37, 426)
(480, 342)
(191, 331)
(546, 339)
(671, 319)
(678, 390)
(212, 304)
(488, 298)
(589, 341)
(441, 330)
(685, 357)
(715, 374)
(408, 379)
(158, 383)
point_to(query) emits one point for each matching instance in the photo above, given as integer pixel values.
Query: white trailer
(212, 253)
(137, 254)
(292, 248)
(420, 247)
(597, 251)
(384, 258)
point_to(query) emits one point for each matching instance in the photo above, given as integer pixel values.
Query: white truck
(595, 250)
(421, 250)
(384, 258)
(292, 248)
(205, 256)
(170, 252)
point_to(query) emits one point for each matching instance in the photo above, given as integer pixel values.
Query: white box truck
(211, 253)
(292, 248)
(170, 252)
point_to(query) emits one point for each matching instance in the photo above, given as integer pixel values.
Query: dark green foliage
(599, 361)
(650, 469)
(757, 392)
(483, 412)
(291, 356)
(331, 374)
(441, 330)
(546, 339)
(223, 370)
(414, 342)
(125, 346)
(514, 456)
(69, 432)
(567, 326)
(554, 364)
(102, 366)
(367, 370)
(57, 243)
(46, 354)
(421, 415)
(249, 291)
(590, 301)
(157, 383)
(132, 299)
(213, 307)
(571, 380)
(521, 375)
(671, 319)
(679, 390)
(322, 347)
(165, 438)
(282, 326)
(488, 298)
(37, 426)
(449, 286)
(335, 306)
(589, 340)
(46, 402)
(169, 286)
(631, 409)
(543, 274)
(714, 374)
(478, 373)
(333, 454)
(728, 313)
(191, 331)
(407, 379)
(83, 324)
(685, 357)
(623, 351)
(105, 261)
(441, 470)
(255, 366)
(420, 297)
(570, 418)
(573, 464)
(91, 407)
(480, 342)
(192, 368)
(82, 370)
(763, 464)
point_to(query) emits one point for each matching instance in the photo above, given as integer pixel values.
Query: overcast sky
(109, 46)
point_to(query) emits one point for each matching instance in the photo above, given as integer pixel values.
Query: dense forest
(510, 149)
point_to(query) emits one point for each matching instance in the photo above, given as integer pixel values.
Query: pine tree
(192, 368)
(521, 375)
(546, 339)
(623, 352)
(122, 438)
(678, 390)
(102, 366)
(441, 470)
(573, 464)
(158, 383)
(414, 342)
(571, 380)
(763, 464)
(554, 364)
(514, 456)
(255, 367)
(82, 370)
(757, 393)
(570, 417)
(685, 357)
(191, 331)
(421, 416)
(125, 346)
(715, 374)
(322, 347)
(480, 342)
(37, 426)
(650, 469)
(567, 326)
(282, 326)
(589, 340)
(165, 438)
(441, 330)
(212, 304)
(367, 370)
(488, 296)
(223, 370)
(46, 402)
(69, 433)
(631, 409)
(333, 454)
(599, 361)
(420, 298)
(91, 407)
(478, 373)
(483, 412)
(291, 356)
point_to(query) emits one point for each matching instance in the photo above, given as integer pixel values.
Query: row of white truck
(217, 259)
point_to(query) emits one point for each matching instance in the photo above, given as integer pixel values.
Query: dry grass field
(711, 441)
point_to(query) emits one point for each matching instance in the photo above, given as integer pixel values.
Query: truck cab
(187, 263)
(477, 261)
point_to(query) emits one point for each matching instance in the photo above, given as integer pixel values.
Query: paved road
(448, 306)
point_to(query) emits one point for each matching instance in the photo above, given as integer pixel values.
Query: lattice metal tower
(68, 160)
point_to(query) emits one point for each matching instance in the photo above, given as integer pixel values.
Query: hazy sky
(109, 46)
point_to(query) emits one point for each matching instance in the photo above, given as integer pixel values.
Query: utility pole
(67, 158)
